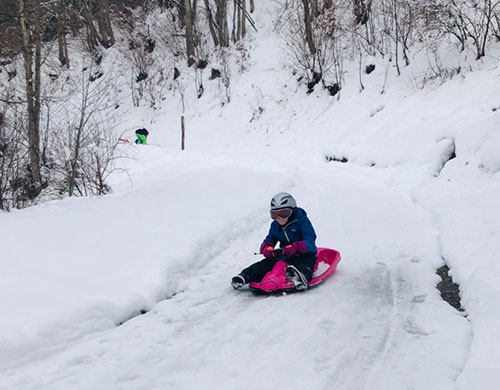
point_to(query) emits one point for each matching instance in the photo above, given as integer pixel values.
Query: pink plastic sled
(276, 280)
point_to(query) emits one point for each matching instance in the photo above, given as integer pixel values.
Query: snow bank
(78, 266)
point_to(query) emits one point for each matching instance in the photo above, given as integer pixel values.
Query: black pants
(304, 262)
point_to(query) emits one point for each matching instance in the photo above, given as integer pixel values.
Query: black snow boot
(238, 281)
(296, 277)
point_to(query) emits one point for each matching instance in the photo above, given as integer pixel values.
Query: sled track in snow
(381, 334)
(389, 288)
(357, 338)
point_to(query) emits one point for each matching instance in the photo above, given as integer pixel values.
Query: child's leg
(304, 262)
(258, 270)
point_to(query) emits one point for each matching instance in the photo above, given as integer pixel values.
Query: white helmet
(283, 200)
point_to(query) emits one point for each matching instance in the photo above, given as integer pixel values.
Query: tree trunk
(307, 23)
(181, 10)
(93, 37)
(210, 18)
(61, 38)
(189, 32)
(107, 37)
(361, 10)
(32, 40)
(79, 135)
(243, 18)
(221, 20)
(237, 10)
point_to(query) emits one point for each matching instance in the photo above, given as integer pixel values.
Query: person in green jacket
(142, 136)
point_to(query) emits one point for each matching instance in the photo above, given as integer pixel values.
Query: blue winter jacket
(298, 228)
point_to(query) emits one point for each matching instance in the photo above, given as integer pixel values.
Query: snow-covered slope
(380, 313)
(169, 238)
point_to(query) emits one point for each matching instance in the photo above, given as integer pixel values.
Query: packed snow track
(377, 323)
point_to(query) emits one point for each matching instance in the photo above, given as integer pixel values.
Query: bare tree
(239, 20)
(86, 141)
(218, 25)
(479, 17)
(189, 32)
(361, 11)
(14, 185)
(243, 7)
(371, 27)
(308, 27)
(221, 22)
(211, 23)
(474, 20)
(30, 19)
(62, 21)
(89, 13)
(107, 37)
(314, 41)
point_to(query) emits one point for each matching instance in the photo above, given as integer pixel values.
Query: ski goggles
(283, 213)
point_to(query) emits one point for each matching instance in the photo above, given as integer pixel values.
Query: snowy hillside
(419, 186)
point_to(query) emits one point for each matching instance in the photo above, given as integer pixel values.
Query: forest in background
(59, 102)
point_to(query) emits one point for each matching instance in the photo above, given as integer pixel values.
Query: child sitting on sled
(295, 233)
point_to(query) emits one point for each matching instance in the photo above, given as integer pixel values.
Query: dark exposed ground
(450, 291)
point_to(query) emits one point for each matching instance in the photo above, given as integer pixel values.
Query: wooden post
(182, 132)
